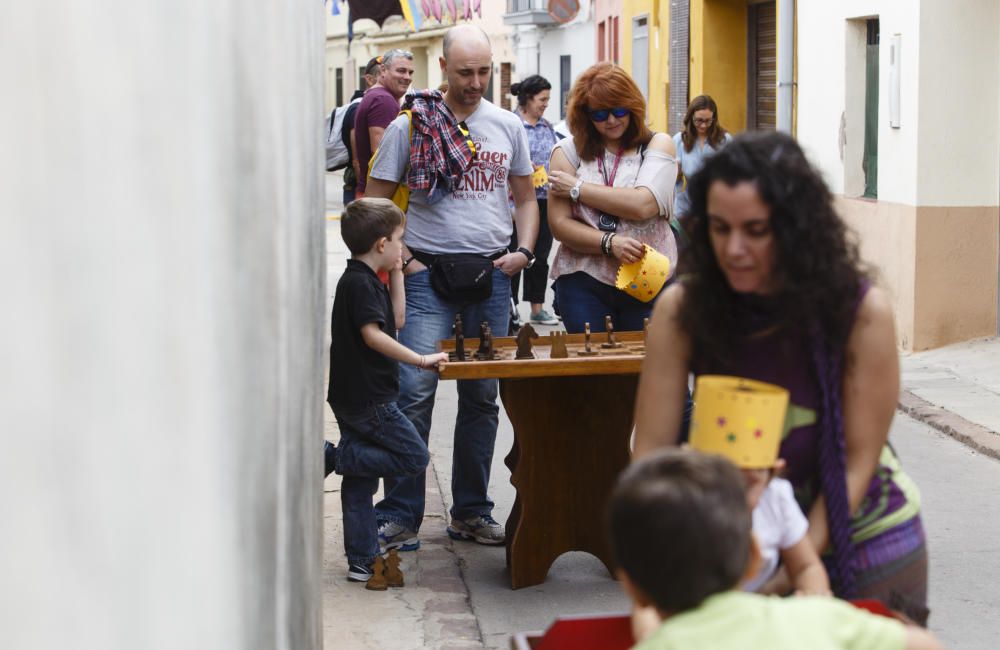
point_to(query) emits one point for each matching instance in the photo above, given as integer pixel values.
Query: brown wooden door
(762, 59)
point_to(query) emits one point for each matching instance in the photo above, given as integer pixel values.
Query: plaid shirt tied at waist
(440, 149)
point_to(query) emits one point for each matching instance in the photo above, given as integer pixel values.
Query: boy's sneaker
(329, 457)
(544, 318)
(359, 572)
(393, 535)
(483, 529)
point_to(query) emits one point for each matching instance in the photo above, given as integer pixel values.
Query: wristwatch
(574, 192)
(528, 254)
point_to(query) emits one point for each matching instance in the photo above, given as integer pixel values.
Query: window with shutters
(679, 64)
(859, 123)
(504, 85)
(762, 60)
(565, 80)
(339, 85)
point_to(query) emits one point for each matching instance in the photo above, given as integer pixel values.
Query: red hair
(605, 85)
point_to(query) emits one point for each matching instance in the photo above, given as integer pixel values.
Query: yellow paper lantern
(739, 418)
(539, 178)
(644, 279)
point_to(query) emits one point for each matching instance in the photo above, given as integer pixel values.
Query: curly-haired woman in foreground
(776, 294)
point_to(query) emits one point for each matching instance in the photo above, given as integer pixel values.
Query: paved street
(457, 594)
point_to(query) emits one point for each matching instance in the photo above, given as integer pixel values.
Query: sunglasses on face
(602, 114)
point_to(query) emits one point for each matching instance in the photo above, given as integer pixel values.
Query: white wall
(959, 103)
(823, 92)
(162, 267)
(575, 39)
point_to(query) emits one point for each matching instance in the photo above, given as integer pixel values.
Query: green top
(735, 619)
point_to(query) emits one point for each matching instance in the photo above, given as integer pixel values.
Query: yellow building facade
(732, 56)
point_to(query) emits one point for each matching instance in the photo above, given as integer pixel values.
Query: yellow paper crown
(738, 418)
(644, 279)
(539, 178)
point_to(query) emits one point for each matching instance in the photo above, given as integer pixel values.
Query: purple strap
(832, 462)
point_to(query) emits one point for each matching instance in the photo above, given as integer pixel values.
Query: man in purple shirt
(380, 107)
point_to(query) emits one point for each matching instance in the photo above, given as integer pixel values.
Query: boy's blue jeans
(428, 320)
(375, 441)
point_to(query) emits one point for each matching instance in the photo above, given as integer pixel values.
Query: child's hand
(433, 361)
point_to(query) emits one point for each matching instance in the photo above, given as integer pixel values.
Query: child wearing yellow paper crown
(743, 420)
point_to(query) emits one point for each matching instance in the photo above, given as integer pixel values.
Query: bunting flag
(377, 10)
(335, 7)
(411, 13)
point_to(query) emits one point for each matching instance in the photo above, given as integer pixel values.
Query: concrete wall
(933, 233)
(718, 53)
(576, 40)
(162, 267)
(658, 12)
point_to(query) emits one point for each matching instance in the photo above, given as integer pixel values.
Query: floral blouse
(655, 171)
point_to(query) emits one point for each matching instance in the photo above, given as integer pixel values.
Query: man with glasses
(380, 107)
(472, 217)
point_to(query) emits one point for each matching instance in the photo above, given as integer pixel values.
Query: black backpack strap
(643, 147)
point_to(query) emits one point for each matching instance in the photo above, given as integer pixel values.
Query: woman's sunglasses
(602, 114)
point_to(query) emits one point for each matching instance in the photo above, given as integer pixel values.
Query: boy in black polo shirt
(376, 439)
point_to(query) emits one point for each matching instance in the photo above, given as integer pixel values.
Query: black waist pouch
(462, 277)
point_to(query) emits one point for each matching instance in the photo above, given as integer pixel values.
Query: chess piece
(393, 574)
(485, 351)
(459, 354)
(586, 351)
(377, 581)
(610, 328)
(524, 336)
(557, 345)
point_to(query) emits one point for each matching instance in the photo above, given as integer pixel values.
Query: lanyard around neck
(609, 180)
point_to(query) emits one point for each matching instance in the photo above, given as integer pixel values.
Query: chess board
(626, 358)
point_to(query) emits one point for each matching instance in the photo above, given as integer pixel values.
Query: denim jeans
(584, 299)
(428, 320)
(375, 441)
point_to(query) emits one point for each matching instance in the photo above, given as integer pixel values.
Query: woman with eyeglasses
(610, 193)
(701, 138)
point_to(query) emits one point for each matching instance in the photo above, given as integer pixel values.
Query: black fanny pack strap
(428, 259)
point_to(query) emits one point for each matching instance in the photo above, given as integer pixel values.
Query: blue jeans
(428, 320)
(375, 441)
(584, 299)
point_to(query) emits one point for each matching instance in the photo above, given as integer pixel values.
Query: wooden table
(572, 422)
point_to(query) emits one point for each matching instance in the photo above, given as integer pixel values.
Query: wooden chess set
(570, 400)
(531, 355)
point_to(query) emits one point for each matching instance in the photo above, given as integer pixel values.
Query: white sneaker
(393, 535)
(543, 318)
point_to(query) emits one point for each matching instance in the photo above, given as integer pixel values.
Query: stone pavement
(956, 390)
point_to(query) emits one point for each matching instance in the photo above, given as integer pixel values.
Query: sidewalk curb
(968, 433)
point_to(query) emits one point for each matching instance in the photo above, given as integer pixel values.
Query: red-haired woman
(611, 192)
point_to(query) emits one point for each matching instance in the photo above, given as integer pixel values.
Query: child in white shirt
(779, 528)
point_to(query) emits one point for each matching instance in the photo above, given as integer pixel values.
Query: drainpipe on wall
(786, 57)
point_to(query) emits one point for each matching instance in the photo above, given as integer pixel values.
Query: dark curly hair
(817, 268)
